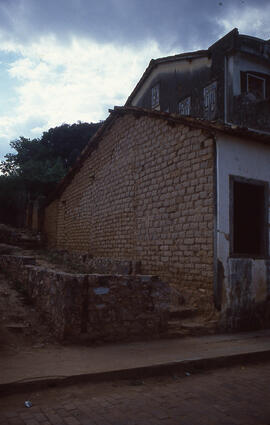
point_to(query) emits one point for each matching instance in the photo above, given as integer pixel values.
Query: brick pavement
(233, 396)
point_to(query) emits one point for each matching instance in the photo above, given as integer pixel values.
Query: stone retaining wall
(7, 234)
(89, 264)
(93, 306)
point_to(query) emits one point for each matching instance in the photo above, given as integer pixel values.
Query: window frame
(186, 102)
(265, 235)
(250, 74)
(259, 75)
(210, 99)
(157, 103)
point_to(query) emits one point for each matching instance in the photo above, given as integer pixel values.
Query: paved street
(237, 395)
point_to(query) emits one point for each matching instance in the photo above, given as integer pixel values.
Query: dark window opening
(256, 86)
(155, 96)
(184, 106)
(249, 219)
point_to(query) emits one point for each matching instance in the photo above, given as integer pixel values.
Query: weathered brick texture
(35, 216)
(50, 223)
(145, 193)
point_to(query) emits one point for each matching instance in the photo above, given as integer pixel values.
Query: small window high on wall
(155, 96)
(248, 217)
(255, 84)
(184, 106)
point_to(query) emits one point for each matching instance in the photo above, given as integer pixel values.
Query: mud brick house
(187, 198)
(230, 81)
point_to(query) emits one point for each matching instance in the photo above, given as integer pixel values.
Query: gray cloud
(172, 23)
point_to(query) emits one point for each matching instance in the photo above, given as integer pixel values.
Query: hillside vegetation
(37, 165)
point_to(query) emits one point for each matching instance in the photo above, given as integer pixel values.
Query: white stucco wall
(248, 159)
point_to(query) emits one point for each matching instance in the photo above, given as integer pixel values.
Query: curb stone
(193, 365)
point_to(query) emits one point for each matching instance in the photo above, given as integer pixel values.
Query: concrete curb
(194, 365)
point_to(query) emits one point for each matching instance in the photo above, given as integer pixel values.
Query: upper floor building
(230, 82)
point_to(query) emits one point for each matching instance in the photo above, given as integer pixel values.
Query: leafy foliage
(12, 200)
(39, 164)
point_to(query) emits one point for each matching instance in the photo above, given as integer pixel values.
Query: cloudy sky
(69, 60)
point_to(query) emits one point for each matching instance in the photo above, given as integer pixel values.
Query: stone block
(106, 307)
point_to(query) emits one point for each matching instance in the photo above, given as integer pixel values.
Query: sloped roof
(155, 62)
(213, 127)
(182, 56)
(230, 38)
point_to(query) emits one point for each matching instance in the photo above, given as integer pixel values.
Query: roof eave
(156, 62)
(213, 127)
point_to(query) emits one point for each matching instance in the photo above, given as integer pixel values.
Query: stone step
(182, 312)
(28, 243)
(20, 237)
(178, 328)
(16, 327)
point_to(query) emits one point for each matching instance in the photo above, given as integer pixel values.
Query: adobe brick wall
(145, 194)
(50, 223)
(35, 218)
(29, 215)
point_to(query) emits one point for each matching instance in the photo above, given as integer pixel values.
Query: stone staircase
(20, 322)
(22, 238)
(189, 321)
(184, 320)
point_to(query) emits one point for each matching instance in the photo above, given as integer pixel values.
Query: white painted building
(242, 278)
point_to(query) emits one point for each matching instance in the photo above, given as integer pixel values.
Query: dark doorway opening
(249, 218)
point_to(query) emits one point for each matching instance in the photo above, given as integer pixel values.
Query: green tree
(39, 164)
(13, 200)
